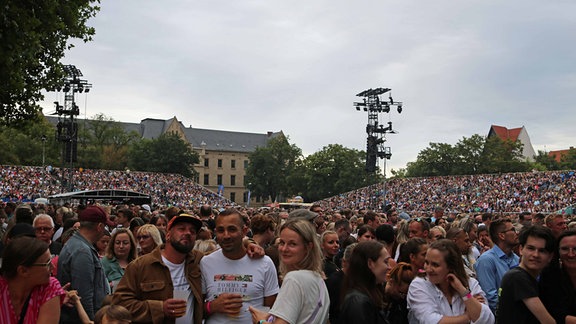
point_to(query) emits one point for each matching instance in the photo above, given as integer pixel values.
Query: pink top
(39, 296)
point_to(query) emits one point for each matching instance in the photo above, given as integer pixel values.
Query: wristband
(208, 310)
(467, 296)
(261, 321)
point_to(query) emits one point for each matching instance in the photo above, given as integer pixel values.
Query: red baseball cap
(95, 214)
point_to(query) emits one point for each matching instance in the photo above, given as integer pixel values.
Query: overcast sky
(296, 66)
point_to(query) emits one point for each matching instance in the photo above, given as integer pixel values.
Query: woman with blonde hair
(303, 297)
(119, 253)
(330, 247)
(148, 237)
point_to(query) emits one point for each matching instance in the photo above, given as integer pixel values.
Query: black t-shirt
(557, 293)
(517, 285)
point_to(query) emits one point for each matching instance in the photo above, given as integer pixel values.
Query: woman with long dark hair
(28, 294)
(558, 281)
(363, 284)
(446, 293)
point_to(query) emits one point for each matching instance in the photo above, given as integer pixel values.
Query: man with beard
(150, 282)
(231, 280)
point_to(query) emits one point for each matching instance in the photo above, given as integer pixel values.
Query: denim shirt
(490, 268)
(80, 266)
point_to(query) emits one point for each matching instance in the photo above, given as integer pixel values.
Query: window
(206, 179)
(219, 180)
(219, 163)
(233, 164)
(232, 180)
(233, 196)
(206, 162)
(245, 196)
(245, 164)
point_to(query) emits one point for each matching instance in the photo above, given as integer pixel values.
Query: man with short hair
(79, 264)
(206, 217)
(124, 217)
(148, 285)
(371, 219)
(494, 263)
(418, 227)
(462, 240)
(525, 218)
(518, 295)
(231, 281)
(44, 229)
(556, 223)
(538, 219)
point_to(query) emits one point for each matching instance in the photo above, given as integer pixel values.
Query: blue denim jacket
(79, 265)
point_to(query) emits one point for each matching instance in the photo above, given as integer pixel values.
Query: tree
(501, 156)
(568, 160)
(471, 155)
(333, 170)
(168, 153)
(29, 144)
(33, 39)
(547, 161)
(104, 143)
(437, 160)
(270, 167)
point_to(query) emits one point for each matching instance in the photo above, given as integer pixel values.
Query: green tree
(568, 160)
(472, 155)
(547, 161)
(270, 166)
(438, 159)
(469, 155)
(104, 143)
(29, 143)
(34, 36)
(501, 156)
(168, 153)
(333, 170)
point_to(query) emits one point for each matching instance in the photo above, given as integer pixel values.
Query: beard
(182, 248)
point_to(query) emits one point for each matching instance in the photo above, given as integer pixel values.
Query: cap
(147, 208)
(95, 214)
(185, 218)
(302, 214)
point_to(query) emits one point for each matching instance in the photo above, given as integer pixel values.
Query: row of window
(219, 180)
(232, 163)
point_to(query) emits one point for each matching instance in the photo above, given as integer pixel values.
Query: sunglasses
(47, 264)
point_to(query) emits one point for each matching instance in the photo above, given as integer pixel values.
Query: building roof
(210, 139)
(505, 133)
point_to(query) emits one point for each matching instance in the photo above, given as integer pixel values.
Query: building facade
(223, 154)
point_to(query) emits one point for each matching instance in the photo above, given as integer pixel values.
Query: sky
(296, 66)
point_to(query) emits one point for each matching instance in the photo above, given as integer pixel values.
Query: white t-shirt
(254, 279)
(303, 299)
(180, 283)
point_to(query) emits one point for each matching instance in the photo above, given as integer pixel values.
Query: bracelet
(467, 296)
(208, 310)
(261, 321)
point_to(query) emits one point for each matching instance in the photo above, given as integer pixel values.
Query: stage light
(399, 109)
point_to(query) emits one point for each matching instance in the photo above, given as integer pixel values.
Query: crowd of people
(210, 261)
(26, 183)
(144, 265)
(543, 192)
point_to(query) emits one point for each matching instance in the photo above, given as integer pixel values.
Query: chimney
(270, 134)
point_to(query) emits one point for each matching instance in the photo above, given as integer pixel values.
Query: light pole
(44, 150)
